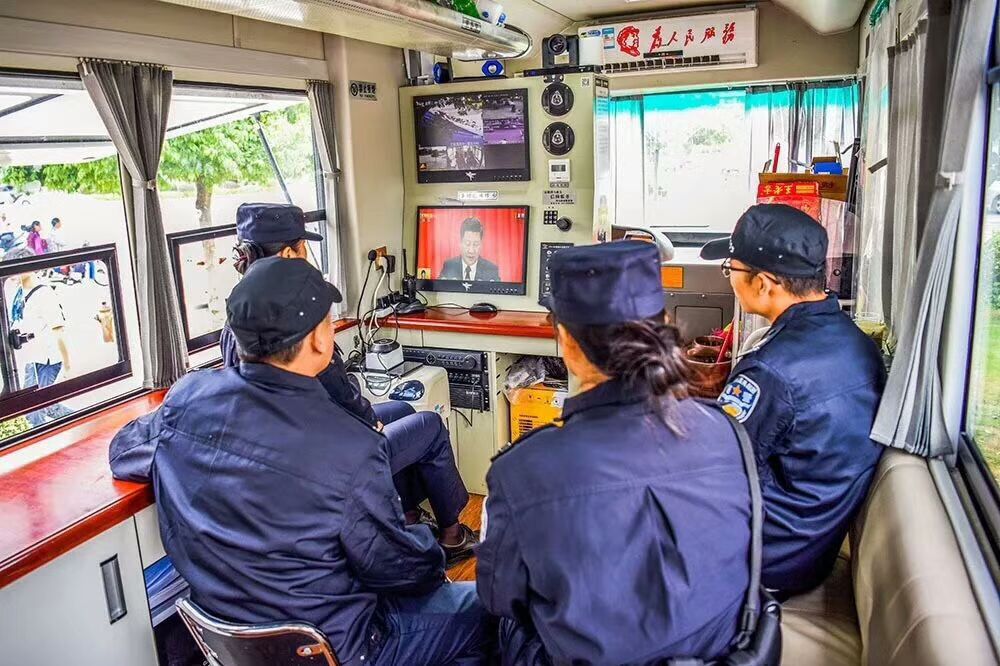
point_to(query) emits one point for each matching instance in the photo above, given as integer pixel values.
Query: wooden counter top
(512, 323)
(60, 500)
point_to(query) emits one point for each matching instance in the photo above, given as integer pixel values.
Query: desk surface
(512, 323)
(52, 504)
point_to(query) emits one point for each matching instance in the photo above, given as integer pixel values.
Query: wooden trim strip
(58, 501)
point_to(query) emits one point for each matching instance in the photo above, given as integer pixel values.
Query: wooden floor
(471, 516)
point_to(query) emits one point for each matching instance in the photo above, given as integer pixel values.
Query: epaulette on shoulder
(506, 449)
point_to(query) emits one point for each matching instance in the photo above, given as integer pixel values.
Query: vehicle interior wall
(370, 149)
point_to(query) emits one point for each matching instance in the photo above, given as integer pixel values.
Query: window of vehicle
(201, 288)
(983, 416)
(226, 147)
(63, 331)
(687, 162)
(60, 193)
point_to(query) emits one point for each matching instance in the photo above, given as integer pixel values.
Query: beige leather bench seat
(902, 596)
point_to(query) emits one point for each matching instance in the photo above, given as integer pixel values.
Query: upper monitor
(478, 137)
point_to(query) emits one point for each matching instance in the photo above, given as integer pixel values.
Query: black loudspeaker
(560, 51)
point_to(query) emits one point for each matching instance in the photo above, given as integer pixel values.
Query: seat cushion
(821, 627)
(915, 603)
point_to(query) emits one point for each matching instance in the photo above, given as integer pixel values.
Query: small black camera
(18, 339)
(561, 51)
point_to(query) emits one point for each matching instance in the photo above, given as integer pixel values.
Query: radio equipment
(468, 374)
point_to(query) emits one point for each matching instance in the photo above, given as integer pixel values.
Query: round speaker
(558, 139)
(557, 99)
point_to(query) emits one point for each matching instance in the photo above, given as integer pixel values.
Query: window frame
(23, 401)
(320, 214)
(175, 242)
(978, 489)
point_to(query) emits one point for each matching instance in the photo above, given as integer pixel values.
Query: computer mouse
(484, 308)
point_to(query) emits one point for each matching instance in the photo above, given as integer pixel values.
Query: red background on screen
(504, 231)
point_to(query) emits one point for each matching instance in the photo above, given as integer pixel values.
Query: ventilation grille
(670, 63)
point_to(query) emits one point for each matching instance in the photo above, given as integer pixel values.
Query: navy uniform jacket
(807, 394)
(618, 540)
(334, 379)
(276, 504)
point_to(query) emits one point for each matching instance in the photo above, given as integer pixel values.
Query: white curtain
(324, 125)
(911, 414)
(627, 160)
(873, 173)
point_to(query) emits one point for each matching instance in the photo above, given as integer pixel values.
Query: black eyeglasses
(728, 269)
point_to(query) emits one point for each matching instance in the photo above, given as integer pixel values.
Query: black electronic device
(557, 99)
(477, 137)
(558, 139)
(484, 308)
(468, 375)
(561, 50)
(472, 250)
(545, 252)
(557, 73)
(408, 303)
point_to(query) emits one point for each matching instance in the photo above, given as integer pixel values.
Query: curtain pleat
(133, 101)
(321, 103)
(930, 127)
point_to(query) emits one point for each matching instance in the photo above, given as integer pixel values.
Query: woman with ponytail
(620, 535)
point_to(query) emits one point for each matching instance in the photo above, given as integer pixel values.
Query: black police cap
(277, 303)
(775, 238)
(265, 223)
(604, 284)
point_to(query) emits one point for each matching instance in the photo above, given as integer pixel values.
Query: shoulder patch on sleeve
(740, 397)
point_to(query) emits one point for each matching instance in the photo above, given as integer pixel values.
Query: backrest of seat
(914, 600)
(225, 644)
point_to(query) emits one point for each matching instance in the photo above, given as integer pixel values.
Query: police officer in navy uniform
(423, 463)
(807, 393)
(622, 535)
(276, 504)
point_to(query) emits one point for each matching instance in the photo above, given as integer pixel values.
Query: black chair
(277, 644)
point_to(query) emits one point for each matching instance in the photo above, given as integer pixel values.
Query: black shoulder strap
(751, 609)
(32, 292)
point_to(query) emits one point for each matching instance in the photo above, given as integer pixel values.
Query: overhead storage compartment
(412, 24)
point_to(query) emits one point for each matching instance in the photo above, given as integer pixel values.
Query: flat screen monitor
(472, 137)
(472, 250)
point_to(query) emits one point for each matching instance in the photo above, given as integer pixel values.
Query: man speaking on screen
(470, 265)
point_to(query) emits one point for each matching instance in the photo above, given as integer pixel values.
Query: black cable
(451, 306)
(361, 297)
(460, 413)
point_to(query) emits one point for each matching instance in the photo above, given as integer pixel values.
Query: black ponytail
(645, 355)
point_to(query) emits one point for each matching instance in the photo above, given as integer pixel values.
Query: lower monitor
(472, 250)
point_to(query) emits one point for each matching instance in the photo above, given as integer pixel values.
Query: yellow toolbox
(534, 407)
